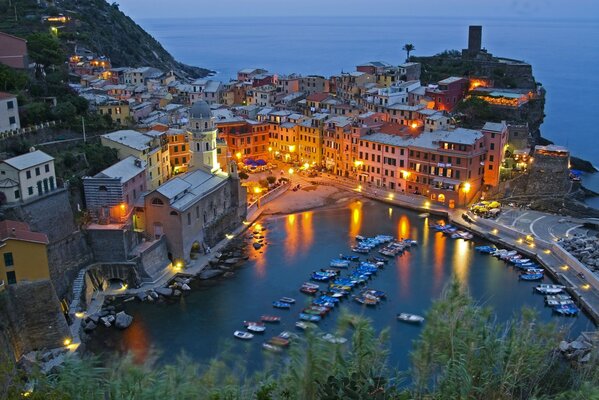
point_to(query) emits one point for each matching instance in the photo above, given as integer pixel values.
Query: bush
(271, 179)
(243, 175)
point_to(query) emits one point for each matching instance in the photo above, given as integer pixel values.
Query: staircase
(77, 288)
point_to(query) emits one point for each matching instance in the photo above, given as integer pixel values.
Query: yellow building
(310, 142)
(23, 253)
(118, 111)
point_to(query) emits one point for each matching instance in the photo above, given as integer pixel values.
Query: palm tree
(408, 47)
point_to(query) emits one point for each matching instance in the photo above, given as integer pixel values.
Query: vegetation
(463, 353)
(408, 48)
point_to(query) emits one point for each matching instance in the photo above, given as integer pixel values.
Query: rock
(257, 245)
(164, 291)
(228, 274)
(211, 273)
(564, 346)
(141, 296)
(580, 345)
(103, 313)
(153, 294)
(94, 318)
(185, 287)
(90, 326)
(123, 320)
(106, 322)
(232, 261)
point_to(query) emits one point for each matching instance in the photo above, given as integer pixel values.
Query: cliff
(95, 25)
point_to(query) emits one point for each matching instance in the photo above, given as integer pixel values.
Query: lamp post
(258, 190)
(466, 189)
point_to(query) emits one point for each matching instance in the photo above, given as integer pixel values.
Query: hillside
(95, 25)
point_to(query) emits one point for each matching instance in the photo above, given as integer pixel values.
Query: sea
(564, 54)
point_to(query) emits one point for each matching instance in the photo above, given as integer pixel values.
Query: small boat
(359, 238)
(339, 263)
(553, 303)
(376, 293)
(349, 257)
(333, 339)
(256, 328)
(243, 335)
(279, 341)
(534, 270)
(531, 277)
(281, 304)
(311, 285)
(309, 317)
(361, 250)
(288, 300)
(252, 323)
(270, 318)
(271, 347)
(410, 318)
(424, 215)
(549, 289)
(369, 301)
(567, 310)
(308, 290)
(557, 297)
(287, 335)
(304, 325)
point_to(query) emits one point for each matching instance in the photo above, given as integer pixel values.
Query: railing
(268, 197)
(29, 129)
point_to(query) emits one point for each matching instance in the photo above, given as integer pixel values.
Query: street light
(466, 189)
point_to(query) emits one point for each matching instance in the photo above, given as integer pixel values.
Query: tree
(243, 175)
(45, 49)
(408, 48)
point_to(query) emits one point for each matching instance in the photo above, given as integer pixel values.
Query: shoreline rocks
(584, 249)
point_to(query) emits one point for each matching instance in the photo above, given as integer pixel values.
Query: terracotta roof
(4, 95)
(20, 231)
(318, 97)
(12, 36)
(391, 128)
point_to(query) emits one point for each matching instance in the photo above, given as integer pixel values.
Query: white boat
(557, 297)
(423, 215)
(304, 325)
(549, 289)
(243, 335)
(256, 328)
(270, 347)
(411, 318)
(333, 339)
(553, 303)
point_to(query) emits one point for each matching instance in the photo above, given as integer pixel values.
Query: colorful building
(27, 176)
(23, 253)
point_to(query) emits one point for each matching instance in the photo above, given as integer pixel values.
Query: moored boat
(333, 339)
(278, 341)
(410, 318)
(309, 317)
(256, 328)
(271, 347)
(270, 318)
(243, 335)
(549, 289)
(281, 305)
(304, 325)
(366, 300)
(339, 263)
(289, 300)
(531, 277)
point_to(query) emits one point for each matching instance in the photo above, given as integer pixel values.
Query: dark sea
(564, 54)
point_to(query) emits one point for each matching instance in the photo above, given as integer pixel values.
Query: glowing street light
(238, 155)
(291, 171)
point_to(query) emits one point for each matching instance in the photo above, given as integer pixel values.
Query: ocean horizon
(330, 45)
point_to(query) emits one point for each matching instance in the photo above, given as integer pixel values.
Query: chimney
(13, 232)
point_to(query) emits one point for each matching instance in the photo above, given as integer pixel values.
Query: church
(195, 210)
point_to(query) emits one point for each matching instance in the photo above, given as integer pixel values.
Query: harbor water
(201, 324)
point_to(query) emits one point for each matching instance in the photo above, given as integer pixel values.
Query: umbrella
(260, 162)
(248, 161)
(494, 204)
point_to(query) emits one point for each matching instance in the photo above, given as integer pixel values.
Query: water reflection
(291, 238)
(356, 219)
(440, 242)
(136, 342)
(403, 231)
(461, 259)
(307, 231)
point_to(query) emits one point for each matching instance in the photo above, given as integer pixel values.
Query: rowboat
(549, 289)
(349, 257)
(308, 290)
(287, 335)
(339, 263)
(534, 270)
(410, 318)
(360, 249)
(531, 277)
(333, 339)
(271, 347)
(311, 285)
(243, 335)
(553, 303)
(567, 310)
(270, 318)
(309, 317)
(252, 323)
(557, 297)
(369, 301)
(281, 304)
(376, 293)
(288, 300)
(304, 325)
(279, 341)
(256, 328)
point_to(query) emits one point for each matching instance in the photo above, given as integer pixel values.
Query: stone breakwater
(585, 249)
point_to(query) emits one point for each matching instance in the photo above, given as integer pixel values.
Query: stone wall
(68, 251)
(227, 223)
(112, 245)
(32, 318)
(152, 260)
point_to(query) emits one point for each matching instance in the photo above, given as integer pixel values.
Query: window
(188, 218)
(12, 120)
(37, 171)
(490, 167)
(173, 213)
(17, 194)
(8, 260)
(491, 158)
(10, 105)
(11, 277)
(157, 202)
(47, 167)
(28, 174)
(30, 190)
(492, 146)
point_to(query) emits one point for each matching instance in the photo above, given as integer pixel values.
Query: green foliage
(271, 179)
(45, 49)
(243, 175)
(12, 80)
(475, 111)
(34, 113)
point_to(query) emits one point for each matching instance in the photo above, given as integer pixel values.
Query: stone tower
(202, 138)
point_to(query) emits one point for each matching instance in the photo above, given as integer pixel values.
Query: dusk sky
(587, 9)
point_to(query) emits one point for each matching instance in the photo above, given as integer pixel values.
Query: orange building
(178, 150)
(245, 138)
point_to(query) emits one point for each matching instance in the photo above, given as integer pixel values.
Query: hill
(95, 25)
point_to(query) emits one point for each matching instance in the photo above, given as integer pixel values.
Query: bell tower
(202, 138)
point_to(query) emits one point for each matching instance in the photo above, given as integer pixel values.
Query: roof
(494, 126)
(28, 160)
(13, 37)
(4, 96)
(129, 138)
(185, 190)
(450, 80)
(20, 231)
(124, 169)
(428, 140)
(375, 64)
(318, 97)
(200, 110)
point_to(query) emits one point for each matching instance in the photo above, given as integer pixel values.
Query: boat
(361, 250)
(311, 285)
(485, 249)
(349, 257)
(410, 318)
(323, 303)
(369, 301)
(549, 289)
(567, 310)
(320, 277)
(243, 335)
(339, 263)
(278, 341)
(309, 317)
(252, 323)
(308, 290)
(281, 304)
(557, 297)
(531, 277)
(333, 339)
(270, 318)
(424, 215)
(288, 335)
(256, 328)
(304, 325)
(271, 347)
(377, 293)
(359, 238)
(534, 270)
(553, 303)
(289, 300)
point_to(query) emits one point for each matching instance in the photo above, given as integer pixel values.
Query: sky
(545, 9)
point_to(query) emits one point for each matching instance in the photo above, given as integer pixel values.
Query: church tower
(202, 138)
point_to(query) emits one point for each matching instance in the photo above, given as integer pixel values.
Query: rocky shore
(585, 249)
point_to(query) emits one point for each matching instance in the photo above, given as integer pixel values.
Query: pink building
(13, 51)
(496, 137)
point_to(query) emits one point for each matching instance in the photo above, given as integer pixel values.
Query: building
(264, 96)
(111, 194)
(27, 176)
(244, 138)
(374, 67)
(289, 84)
(24, 255)
(309, 139)
(314, 84)
(410, 71)
(118, 111)
(9, 112)
(194, 211)
(248, 74)
(383, 160)
(13, 51)
(150, 147)
(178, 150)
(496, 139)
(448, 92)
(202, 134)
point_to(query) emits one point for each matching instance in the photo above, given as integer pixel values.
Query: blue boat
(350, 258)
(339, 263)
(566, 309)
(330, 299)
(280, 304)
(323, 303)
(309, 317)
(486, 249)
(527, 266)
(531, 277)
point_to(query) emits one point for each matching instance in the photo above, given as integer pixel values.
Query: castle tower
(202, 138)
